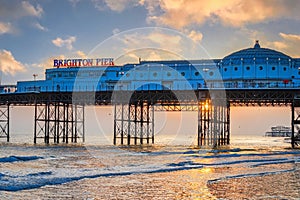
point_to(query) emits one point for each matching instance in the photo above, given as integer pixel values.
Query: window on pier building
(80, 73)
(101, 73)
(91, 73)
(72, 74)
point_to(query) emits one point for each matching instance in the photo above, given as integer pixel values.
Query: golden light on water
(206, 170)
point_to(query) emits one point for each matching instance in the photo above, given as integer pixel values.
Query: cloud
(236, 13)
(115, 5)
(153, 39)
(290, 37)
(152, 44)
(40, 27)
(195, 36)
(81, 54)
(48, 63)
(183, 13)
(8, 64)
(5, 28)
(15, 9)
(30, 10)
(116, 31)
(68, 43)
(289, 44)
(74, 2)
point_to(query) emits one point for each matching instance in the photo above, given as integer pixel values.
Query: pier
(250, 77)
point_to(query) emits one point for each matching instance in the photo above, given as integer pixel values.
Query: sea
(251, 167)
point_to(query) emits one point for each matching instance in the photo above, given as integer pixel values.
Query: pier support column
(295, 137)
(4, 122)
(59, 122)
(134, 123)
(213, 123)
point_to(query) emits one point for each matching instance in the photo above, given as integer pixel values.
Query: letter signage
(83, 62)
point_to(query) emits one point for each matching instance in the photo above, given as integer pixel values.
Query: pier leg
(4, 122)
(75, 124)
(293, 126)
(115, 125)
(141, 123)
(57, 121)
(79, 123)
(152, 123)
(35, 124)
(68, 125)
(47, 123)
(295, 136)
(133, 120)
(213, 123)
(135, 124)
(122, 124)
(128, 124)
(227, 124)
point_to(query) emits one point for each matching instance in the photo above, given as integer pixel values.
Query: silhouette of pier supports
(133, 123)
(60, 122)
(213, 123)
(4, 122)
(295, 137)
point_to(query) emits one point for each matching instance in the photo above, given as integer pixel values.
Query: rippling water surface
(250, 168)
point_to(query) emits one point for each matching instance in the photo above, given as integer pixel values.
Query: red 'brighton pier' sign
(83, 62)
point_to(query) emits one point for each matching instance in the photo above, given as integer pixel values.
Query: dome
(256, 55)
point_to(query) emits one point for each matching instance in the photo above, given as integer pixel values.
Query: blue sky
(33, 33)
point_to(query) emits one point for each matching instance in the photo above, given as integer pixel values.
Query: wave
(44, 178)
(249, 175)
(11, 159)
(40, 179)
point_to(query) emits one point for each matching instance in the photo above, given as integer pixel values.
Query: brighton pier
(249, 77)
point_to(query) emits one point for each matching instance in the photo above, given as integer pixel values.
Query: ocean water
(252, 167)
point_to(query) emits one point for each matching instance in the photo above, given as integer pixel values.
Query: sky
(33, 32)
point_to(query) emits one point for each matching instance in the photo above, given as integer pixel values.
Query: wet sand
(278, 186)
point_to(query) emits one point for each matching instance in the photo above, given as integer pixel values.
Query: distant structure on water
(279, 131)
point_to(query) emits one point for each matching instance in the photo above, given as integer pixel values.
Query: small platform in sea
(279, 131)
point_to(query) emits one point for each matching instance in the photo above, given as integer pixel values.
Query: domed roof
(256, 54)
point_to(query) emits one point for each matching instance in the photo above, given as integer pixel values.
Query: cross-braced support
(134, 122)
(295, 137)
(4, 122)
(59, 122)
(213, 123)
